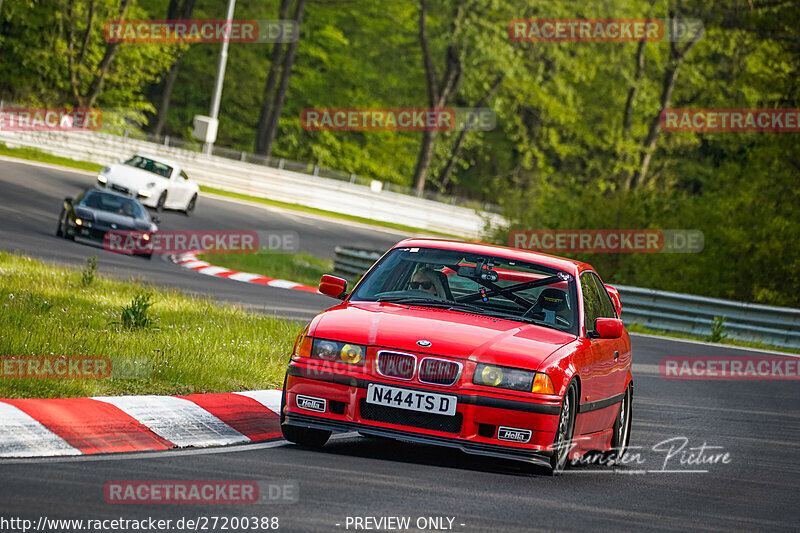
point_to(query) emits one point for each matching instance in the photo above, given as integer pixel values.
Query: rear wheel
(622, 427)
(190, 206)
(313, 438)
(161, 201)
(562, 444)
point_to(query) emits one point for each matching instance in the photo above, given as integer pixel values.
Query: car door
(597, 374)
(620, 348)
(178, 189)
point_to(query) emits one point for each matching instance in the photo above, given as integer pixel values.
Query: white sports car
(154, 181)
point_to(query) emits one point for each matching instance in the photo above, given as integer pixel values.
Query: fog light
(492, 375)
(351, 353)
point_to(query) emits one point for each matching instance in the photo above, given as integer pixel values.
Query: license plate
(412, 400)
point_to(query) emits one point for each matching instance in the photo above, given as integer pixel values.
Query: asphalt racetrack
(746, 477)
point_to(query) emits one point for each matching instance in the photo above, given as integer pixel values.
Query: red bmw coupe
(491, 350)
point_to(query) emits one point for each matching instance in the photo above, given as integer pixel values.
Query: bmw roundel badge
(424, 343)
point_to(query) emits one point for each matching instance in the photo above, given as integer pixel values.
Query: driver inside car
(428, 280)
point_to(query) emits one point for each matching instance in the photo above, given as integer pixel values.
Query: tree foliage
(577, 142)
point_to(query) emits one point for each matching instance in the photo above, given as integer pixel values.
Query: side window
(592, 306)
(606, 305)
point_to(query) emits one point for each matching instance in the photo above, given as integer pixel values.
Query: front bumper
(474, 429)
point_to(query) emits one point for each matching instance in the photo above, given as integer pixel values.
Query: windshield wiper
(413, 300)
(443, 304)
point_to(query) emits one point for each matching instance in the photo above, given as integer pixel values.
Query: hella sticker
(309, 403)
(514, 434)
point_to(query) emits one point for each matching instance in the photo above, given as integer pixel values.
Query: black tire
(161, 201)
(147, 256)
(562, 444)
(309, 437)
(190, 206)
(622, 427)
(60, 229)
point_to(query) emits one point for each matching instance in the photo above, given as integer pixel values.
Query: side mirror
(614, 293)
(608, 328)
(155, 220)
(67, 201)
(333, 286)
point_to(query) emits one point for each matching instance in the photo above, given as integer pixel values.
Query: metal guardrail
(687, 313)
(351, 263)
(662, 310)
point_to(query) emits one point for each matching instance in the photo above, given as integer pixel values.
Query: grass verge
(32, 154)
(332, 214)
(190, 344)
(301, 267)
(638, 328)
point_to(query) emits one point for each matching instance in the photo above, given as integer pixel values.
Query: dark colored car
(94, 213)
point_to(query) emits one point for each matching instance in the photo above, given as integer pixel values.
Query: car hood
(133, 178)
(463, 335)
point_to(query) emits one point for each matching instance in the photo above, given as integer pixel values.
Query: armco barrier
(663, 310)
(267, 182)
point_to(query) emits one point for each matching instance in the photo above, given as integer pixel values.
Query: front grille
(438, 371)
(403, 417)
(396, 365)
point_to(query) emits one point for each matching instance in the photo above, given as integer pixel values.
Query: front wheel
(562, 444)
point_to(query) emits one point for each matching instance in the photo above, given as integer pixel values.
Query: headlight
(83, 223)
(512, 378)
(338, 352)
(102, 179)
(145, 193)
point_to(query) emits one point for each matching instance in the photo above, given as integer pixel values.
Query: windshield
(159, 169)
(474, 283)
(111, 203)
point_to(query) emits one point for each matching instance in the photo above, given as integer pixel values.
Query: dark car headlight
(84, 223)
(338, 352)
(512, 378)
